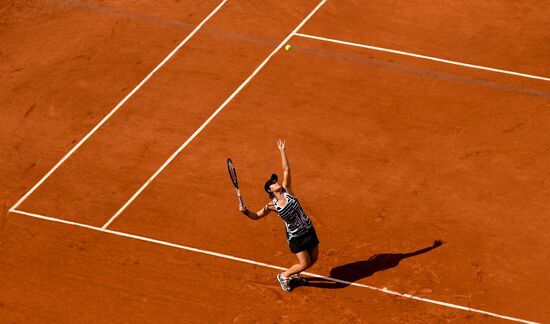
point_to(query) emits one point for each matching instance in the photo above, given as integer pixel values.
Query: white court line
(173, 156)
(331, 40)
(117, 107)
(267, 265)
(52, 219)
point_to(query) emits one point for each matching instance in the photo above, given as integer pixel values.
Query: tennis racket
(233, 176)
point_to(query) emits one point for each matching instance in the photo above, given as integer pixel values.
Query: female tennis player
(300, 234)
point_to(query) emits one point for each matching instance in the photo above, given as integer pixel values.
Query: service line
(376, 48)
(85, 138)
(267, 265)
(214, 114)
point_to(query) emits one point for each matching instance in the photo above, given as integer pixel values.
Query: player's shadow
(355, 271)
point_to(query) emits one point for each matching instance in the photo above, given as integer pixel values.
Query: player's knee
(305, 263)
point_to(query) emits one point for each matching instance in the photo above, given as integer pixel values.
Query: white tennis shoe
(285, 283)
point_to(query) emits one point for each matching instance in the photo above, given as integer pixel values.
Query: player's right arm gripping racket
(233, 176)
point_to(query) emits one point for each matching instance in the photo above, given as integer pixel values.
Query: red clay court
(406, 122)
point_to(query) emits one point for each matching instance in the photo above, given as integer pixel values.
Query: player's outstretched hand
(438, 243)
(281, 144)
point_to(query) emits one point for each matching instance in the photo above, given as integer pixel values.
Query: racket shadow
(358, 270)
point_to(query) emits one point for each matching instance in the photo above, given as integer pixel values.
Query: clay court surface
(389, 152)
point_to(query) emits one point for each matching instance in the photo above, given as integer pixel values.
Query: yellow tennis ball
(288, 47)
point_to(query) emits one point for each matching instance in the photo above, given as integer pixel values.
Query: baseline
(85, 138)
(431, 58)
(214, 114)
(267, 265)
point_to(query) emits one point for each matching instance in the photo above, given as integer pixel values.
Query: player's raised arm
(287, 184)
(255, 215)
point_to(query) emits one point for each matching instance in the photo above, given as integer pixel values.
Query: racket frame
(233, 175)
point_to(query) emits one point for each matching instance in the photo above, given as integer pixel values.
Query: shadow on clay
(358, 270)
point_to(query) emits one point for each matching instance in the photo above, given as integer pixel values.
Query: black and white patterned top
(296, 221)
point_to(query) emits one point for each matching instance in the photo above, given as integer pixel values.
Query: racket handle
(240, 198)
(241, 201)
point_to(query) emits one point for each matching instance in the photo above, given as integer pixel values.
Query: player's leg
(304, 261)
(284, 278)
(314, 254)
